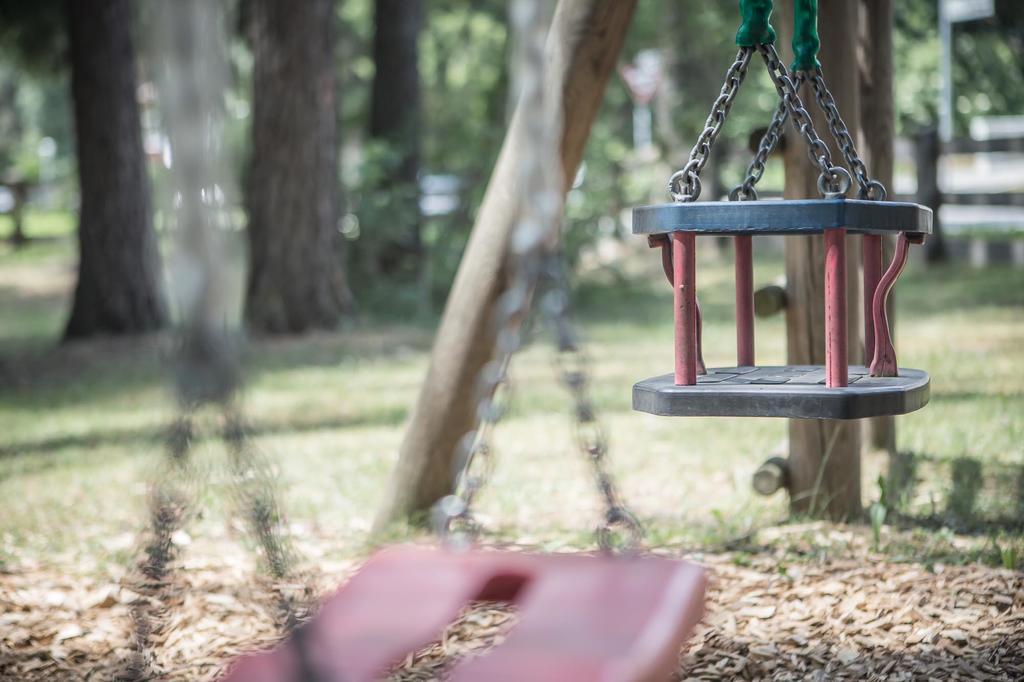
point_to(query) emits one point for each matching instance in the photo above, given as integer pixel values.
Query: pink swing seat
(581, 618)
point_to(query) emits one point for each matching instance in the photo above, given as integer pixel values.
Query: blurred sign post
(643, 77)
(952, 12)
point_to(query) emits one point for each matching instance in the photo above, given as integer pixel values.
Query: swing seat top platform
(784, 216)
(580, 618)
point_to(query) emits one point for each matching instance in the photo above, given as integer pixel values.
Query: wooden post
(824, 456)
(926, 160)
(878, 121)
(583, 46)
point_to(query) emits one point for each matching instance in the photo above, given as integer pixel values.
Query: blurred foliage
(988, 65)
(467, 99)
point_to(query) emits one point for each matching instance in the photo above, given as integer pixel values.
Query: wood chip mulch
(839, 618)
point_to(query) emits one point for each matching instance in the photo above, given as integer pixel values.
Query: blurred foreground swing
(616, 616)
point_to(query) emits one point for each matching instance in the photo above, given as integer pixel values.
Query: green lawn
(82, 424)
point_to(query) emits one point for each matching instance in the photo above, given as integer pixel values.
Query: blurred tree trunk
(297, 276)
(395, 121)
(583, 47)
(11, 131)
(119, 279)
(824, 455)
(878, 120)
(19, 192)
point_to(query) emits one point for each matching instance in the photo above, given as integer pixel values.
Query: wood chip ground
(856, 618)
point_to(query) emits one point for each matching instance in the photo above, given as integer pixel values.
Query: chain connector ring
(741, 193)
(875, 191)
(621, 532)
(687, 179)
(836, 184)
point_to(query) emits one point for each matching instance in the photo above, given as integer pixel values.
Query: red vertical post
(872, 259)
(684, 286)
(836, 369)
(884, 362)
(744, 300)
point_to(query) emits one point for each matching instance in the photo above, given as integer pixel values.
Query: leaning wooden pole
(582, 49)
(824, 455)
(878, 120)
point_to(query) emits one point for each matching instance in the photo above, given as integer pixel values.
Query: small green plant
(1009, 557)
(1005, 555)
(883, 492)
(877, 513)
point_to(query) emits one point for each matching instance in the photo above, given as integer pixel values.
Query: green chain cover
(755, 29)
(805, 35)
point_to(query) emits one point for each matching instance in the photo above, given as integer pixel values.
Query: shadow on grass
(47, 376)
(964, 494)
(151, 436)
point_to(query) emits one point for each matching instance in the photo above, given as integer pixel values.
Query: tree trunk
(878, 121)
(395, 120)
(824, 455)
(19, 192)
(119, 279)
(927, 154)
(583, 47)
(296, 254)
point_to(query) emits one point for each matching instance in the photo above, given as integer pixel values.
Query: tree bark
(395, 120)
(878, 121)
(296, 254)
(583, 45)
(119, 279)
(824, 455)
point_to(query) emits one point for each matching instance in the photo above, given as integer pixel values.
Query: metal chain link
(454, 519)
(620, 530)
(746, 190)
(685, 185)
(190, 66)
(869, 188)
(832, 180)
(534, 263)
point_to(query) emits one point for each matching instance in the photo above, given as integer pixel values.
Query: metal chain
(540, 204)
(534, 262)
(620, 530)
(869, 188)
(685, 185)
(190, 67)
(832, 180)
(746, 191)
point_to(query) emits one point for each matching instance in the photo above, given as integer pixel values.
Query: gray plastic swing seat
(792, 391)
(784, 216)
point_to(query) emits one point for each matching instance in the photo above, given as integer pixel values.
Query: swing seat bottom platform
(791, 391)
(580, 618)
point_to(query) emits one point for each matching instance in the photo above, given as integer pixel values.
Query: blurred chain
(539, 208)
(169, 504)
(534, 263)
(868, 188)
(832, 180)
(684, 185)
(191, 68)
(620, 530)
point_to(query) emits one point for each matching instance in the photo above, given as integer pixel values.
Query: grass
(83, 425)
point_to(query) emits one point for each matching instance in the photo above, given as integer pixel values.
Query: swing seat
(581, 618)
(791, 391)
